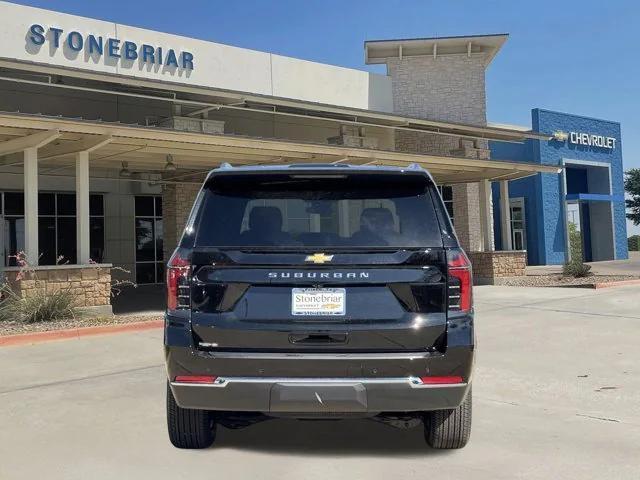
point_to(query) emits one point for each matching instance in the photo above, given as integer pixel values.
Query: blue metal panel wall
(544, 212)
(552, 153)
(525, 188)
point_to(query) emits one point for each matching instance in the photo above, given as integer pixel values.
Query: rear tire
(449, 428)
(189, 428)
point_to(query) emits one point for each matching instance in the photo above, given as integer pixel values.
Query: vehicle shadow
(139, 300)
(326, 438)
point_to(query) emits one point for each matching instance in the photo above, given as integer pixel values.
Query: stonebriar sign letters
(111, 47)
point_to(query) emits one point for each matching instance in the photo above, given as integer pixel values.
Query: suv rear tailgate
(393, 301)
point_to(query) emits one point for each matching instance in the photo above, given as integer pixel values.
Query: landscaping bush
(634, 243)
(575, 243)
(39, 306)
(576, 269)
(7, 296)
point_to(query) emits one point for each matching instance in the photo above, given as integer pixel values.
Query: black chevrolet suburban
(317, 291)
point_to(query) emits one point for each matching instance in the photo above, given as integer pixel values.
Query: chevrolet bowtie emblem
(560, 136)
(318, 258)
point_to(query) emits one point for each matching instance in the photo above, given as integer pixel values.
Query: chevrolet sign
(591, 140)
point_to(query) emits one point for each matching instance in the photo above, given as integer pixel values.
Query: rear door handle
(317, 338)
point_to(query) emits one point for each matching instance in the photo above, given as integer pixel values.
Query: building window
(13, 237)
(447, 196)
(56, 227)
(96, 228)
(149, 237)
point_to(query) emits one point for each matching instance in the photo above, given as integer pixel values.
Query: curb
(39, 337)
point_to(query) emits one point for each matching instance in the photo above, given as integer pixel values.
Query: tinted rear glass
(353, 211)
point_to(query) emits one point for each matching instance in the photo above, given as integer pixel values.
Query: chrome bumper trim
(413, 382)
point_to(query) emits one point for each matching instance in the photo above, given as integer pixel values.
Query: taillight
(444, 380)
(460, 281)
(195, 379)
(178, 270)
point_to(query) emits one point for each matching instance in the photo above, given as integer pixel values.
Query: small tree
(575, 267)
(632, 186)
(575, 243)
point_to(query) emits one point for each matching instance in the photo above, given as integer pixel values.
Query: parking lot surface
(556, 395)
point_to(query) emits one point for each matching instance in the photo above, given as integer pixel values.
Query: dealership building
(107, 130)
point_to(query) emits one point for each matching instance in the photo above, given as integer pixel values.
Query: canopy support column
(29, 146)
(82, 208)
(31, 248)
(486, 217)
(505, 215)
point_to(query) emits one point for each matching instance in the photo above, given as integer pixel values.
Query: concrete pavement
(631, 266)
(556, 395)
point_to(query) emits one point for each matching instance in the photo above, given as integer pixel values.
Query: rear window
(286, 211)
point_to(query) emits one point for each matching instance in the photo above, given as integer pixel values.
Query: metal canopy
(145, 149)
(196, 100)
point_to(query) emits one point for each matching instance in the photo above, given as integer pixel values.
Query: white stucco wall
(215, 65)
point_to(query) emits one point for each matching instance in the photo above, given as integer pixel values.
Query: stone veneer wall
(90, 284)
(467, 220)
(448, 88)
(490, 267)
(177, 200)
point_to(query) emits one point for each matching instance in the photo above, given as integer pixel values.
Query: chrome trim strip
(328, 356)
(413, 382)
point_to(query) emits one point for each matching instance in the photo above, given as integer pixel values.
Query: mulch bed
(555, 280)
(16, 328)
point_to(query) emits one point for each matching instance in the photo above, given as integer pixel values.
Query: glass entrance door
(149, 236)
(518, 224)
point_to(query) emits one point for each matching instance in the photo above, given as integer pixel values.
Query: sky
(576, 56)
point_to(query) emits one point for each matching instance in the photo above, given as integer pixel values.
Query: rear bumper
(318, 396)
(365, 383)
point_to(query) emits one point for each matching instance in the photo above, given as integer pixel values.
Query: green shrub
(575, 243)
(7, 297)
(576, 269)
(39, 306)
(634, 243)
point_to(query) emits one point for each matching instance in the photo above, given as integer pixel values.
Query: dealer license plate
(317, 301)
